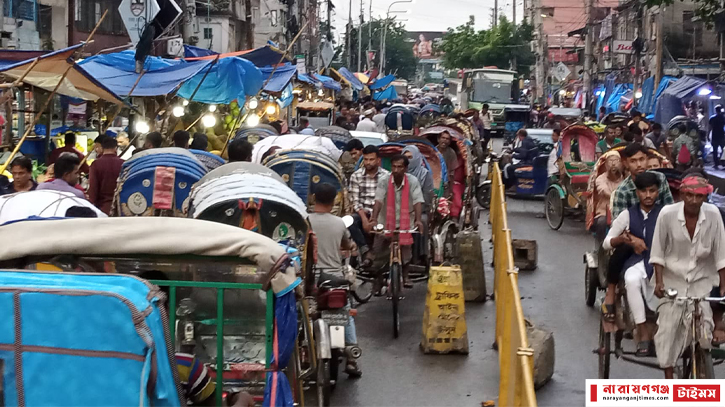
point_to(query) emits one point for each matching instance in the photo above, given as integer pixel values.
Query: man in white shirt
(367, 123)
(305, 127)
(379, 119)
(634, 227)
(688, 254)
(486, 119)
(555, 154)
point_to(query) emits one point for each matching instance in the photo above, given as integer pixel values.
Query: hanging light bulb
(638, 94)
(178, 111)
(142, 127)
(253, 120)
(185, 102)
(253, 103)
(212, 108)
(208, 120)
(271, 109)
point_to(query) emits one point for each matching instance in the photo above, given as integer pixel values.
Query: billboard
(424, 43)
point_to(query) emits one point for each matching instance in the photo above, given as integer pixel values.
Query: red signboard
(561, 55)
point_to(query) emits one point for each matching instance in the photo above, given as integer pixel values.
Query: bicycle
(393, 279)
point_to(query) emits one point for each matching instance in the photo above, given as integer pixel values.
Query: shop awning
(13, 56)
(362, 77)
(191, 51)
(281, 77)
(328, 82)
(382, 82)
(302, 77)
(50, 68)
(228, 78)
(262, 56)
(350, 77)
(388, 94)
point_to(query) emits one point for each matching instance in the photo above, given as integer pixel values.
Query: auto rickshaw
(256, 133)
(532, 180)
(319, 114)
(337, 134)
(157, 182)
(231, 300)
(569, 192)
(399, 122)
(301, 170)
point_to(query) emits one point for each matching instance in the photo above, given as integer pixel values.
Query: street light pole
(385, 34)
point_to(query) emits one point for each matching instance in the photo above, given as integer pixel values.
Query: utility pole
(493, 17)
(328, 35)
(588, 54)
(658, 47)
(514, 11)
(348, 40)
(359, 39)
(637, 44)
(370, 37)
(495, 13)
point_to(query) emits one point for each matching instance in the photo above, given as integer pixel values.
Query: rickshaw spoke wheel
(395, 277)
(591, 284)
(705, 368)
(605, 343)
(554, 208)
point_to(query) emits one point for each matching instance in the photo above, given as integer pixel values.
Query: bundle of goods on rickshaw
(303, 170)
(616, 118)
(157, 181)
(337, 134)
(253, 197)
(256, 133)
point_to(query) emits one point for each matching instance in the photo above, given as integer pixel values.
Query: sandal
(353, 371)
(644, 349)
(608, 312)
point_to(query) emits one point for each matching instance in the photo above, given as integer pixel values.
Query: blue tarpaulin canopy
(669, 104)
(281, 77)
(328, 82)
(350, 77)
(382, 82)
(302, 77)
(388, 94)
(613, 101)
(228, 78)
(191, 51)
(262, 56)
(665, 82)
(647, 99)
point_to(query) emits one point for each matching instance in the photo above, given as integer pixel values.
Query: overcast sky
(427, 15)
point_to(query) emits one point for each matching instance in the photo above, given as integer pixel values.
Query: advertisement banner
(622, 47)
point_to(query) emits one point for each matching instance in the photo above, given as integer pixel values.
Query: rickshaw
(44, 203)
(616, 118)
(692, 130)
(428, 114)
(302, 170)
(597, 127)
(595, 273)
(337, 134)
(256, 133)
(230, 292)
(399, 122)
(569, 192)
(319, 114)
(157, 182)
(210, 161)
(566, 116)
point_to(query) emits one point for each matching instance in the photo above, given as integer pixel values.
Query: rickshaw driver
(634, 227)
(449, 156)
(333, 236)
(401, 196)
(634, 156)
(688, 247)
(610, 140)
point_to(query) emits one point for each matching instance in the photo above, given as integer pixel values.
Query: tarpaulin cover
(229, 79)
(262, 56)
(50, 68)
(328, 82)
(665, 83)
(278, 392)
(614, 99)
(302, 77)
(388, 94)
(117, 71)
(280, 78)
(191, 51)
(599, 96)
(382, 82)
(350, 77)
(670, 102)
(647, 99)
(13, 56)
(609, 83)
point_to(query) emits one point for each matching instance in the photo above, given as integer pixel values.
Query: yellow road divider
(444, 321)
(515, 357)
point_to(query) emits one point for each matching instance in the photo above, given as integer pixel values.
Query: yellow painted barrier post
(516, 358)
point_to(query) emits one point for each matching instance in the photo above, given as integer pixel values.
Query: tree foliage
(464, 47)
(399, 58)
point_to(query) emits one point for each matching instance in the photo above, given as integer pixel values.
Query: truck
(499, 89)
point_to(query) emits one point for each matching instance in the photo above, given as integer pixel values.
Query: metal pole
(348, 40)
(359, 39)
(495, 13)
(513, 16)
(588, 54)
(658, 48)
(370, 37)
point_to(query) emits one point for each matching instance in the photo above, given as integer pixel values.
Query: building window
(208, 34)
(21, 9)
(89, 12)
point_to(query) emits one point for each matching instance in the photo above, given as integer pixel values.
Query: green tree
(399, 58)
(504, 46)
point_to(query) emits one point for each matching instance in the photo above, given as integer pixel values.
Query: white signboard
(301, 67)
(622, 47)
(135, 14)
(327, 53)
(561, 71)
(175, 47)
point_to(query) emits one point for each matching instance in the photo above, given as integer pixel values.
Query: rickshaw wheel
(395, 290)
(483, 196)
(362, 291)
(705, 368)
(591, 284)
(605, 344)
(323, 383)
(554, 208)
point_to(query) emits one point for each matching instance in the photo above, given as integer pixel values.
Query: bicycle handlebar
(396, 232)
(672, 294)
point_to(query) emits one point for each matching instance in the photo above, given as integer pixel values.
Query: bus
(499, 89)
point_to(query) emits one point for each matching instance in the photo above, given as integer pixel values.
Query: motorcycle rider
(333, 236)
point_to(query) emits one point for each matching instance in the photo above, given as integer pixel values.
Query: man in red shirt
(104, 174)
(69, 147)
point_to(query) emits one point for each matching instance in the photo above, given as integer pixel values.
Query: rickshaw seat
(580, 178)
